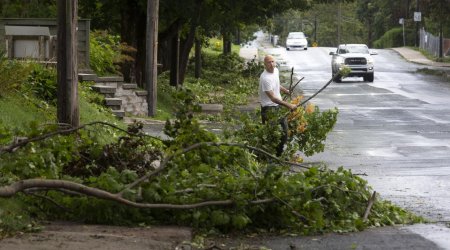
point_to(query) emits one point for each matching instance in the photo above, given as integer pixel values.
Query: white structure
(29, 42)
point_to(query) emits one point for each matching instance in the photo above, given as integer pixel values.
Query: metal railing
(430, 43)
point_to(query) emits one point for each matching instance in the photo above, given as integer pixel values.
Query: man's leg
(284, 136)
(264, 114)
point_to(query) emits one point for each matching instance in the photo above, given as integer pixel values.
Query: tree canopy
(201, 19)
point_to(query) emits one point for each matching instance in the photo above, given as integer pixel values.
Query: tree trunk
(198, 58)
(129, 13)
(165, 48)
(189, 42)
(227, 44)
(67, 70)
(238, 36)
(139, 64)
(186, 49)
(175, 60)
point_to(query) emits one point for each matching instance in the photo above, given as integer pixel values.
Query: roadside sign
(314, 44)
(417, 16)
(401, 21)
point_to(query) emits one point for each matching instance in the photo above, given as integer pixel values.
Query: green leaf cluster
(42, 83)
(319, 124)
(14, 74)
(104, 53)
(260, 192)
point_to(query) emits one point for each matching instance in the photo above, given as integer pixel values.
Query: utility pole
(151, 48)
(315, 28)
(417, 42)
(402, 22)
(339, 23)
(67, 69)
(441, 33)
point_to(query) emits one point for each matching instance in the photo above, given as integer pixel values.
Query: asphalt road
(395, 132)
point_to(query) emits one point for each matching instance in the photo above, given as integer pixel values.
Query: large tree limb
(10, 148)
(23, 185)
(30, 185)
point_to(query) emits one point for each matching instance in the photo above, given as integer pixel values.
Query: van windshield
(296, 35)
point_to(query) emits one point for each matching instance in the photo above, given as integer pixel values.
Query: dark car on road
(357, 57)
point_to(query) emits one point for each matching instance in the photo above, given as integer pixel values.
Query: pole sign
(417, 16)
(401, 21)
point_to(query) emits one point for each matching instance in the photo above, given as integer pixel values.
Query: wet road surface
(395, 132)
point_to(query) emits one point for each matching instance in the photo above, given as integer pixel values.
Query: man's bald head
(269, 63)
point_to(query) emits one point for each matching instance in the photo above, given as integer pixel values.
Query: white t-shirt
(267, 82)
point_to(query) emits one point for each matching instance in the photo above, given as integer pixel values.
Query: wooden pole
(67, 69)
(151, 55)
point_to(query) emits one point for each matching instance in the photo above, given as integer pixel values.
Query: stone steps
(121, 97)
(114, 103)
(211, 108)
(119, 113)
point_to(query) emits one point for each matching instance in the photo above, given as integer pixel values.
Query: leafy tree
(28, 8)
(323, 19)
(435, 16)
(366, 11)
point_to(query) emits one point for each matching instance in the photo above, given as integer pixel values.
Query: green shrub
(42, 83)
(104, 53)
(225, 79)
(13, 74)
(394, 38)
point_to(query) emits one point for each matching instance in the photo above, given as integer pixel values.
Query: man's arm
(272, 97)
(284, 90)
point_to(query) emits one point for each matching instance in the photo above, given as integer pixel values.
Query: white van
(296, 40)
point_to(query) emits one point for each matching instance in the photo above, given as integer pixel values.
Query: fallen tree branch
(341, 73)
(23, 185)
(314, 95)
(166, 160)
(191, 190)
(48, 199)
(10, 148)
(292, 87)
(369, 205)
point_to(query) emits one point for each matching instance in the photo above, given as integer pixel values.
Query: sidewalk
(417, 57)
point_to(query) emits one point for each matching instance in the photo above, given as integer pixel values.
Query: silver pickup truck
(357, 57)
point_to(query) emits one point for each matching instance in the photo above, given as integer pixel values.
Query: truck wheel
(337, 79)
(368, 78)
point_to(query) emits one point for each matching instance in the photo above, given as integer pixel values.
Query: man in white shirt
(270, 97)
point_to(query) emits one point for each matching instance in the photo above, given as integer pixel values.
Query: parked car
(296, 40)
(357, 57)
